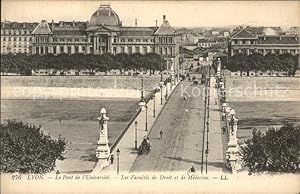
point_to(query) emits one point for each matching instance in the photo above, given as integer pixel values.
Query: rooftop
(18, 25)
(42, 28)
(165, 28)
(137, 31)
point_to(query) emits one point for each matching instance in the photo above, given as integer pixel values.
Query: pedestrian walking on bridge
(161, 134)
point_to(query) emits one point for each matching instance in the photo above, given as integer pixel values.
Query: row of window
(69, 39)
(41, 39)
(261, 51)
(130, 50)
(60, 49)
(134, 40)
(243, 42)
(165, 40)
(45, 39)
(206, 44)
(166, 51)
(15, 32)
(15, 43)
(16, 46)
(8, 38)
(27, 51)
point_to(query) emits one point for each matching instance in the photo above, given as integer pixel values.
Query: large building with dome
(103, 33)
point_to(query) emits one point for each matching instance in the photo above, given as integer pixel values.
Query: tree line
(276, 150)
(259, 63)
(24, 64)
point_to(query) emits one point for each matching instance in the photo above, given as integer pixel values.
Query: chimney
(52, 24)
(156, 23)
(135, 22)
(164, 17)
(279, 37)
(264, 37)
(73, 24)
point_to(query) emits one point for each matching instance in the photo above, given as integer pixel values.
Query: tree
(239, 62)
(137, 61)
(288, 64)
(154, 61)
(297, 60)
(278, 150)
(271, 63)
(256, 61)
(122, 61)
(25, 149)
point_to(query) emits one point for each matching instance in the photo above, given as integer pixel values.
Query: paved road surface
(182, 124)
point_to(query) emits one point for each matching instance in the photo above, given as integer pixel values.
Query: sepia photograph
(150, 96)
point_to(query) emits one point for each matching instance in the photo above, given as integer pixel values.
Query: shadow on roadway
(214, 164)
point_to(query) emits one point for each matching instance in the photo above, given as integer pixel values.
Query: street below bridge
(181, 122)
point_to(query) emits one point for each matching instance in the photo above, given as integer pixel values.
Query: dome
(104, 16)
(270, 32)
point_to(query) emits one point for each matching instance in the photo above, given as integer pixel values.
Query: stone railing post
(232, 152)
(103, 150)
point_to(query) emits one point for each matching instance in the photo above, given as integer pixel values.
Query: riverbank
(101, 82)
(262, 88)
(75, 87)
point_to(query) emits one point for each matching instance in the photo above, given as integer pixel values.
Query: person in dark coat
(161, 134)
(112, 159)
(193, 169)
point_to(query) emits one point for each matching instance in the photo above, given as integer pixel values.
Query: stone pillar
(95, 45)
(232, 152)
(109, 44)
(72, 49)
(65, 49)
(58, 49)
(103, 150)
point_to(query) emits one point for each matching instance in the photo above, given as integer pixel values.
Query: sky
(179, 13)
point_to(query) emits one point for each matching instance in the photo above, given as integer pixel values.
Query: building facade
(103, 33)
(246, 41)
(16, 37)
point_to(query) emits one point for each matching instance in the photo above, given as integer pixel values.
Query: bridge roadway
(182, 124)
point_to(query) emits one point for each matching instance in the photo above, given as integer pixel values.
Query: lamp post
(153, 96)
(161, 98)
(135, 137)
(167, 89)
(118, 161)
(146, 121)
(206, 156)
(142, 101)
(142, 90)
(161, 85)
